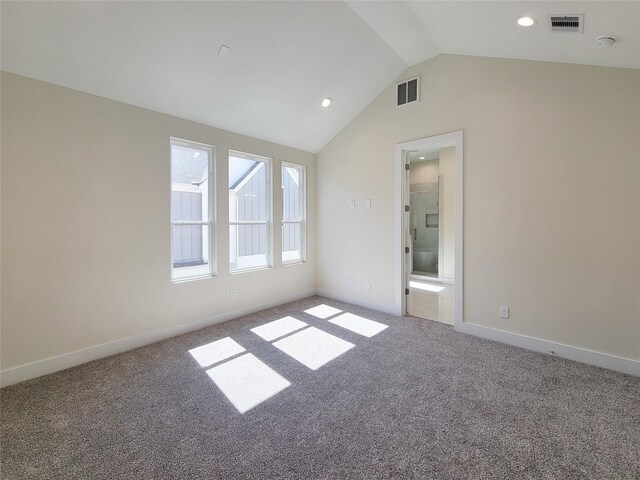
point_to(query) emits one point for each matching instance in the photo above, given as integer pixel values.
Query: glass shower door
(424, 228)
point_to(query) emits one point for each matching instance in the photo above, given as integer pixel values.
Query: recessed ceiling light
(326, 102)
(422, 158)
(527, 21)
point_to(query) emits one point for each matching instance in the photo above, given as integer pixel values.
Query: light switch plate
(503, 311)
(367, 203)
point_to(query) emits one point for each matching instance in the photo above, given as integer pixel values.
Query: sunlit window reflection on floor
(216, 351)
(278, 328)
(312, 347)
(247, 382)
(426, 286)
(322, 311)
(360, 325)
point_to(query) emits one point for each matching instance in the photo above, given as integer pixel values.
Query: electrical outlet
(352, 204)
(503, 311)
(233, 293)
(367, 285)
(367, 203)
(351, 282)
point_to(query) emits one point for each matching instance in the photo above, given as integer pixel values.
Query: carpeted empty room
(315, 239)
(415, 400)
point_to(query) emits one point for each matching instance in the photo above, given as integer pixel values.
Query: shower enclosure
(425, 227)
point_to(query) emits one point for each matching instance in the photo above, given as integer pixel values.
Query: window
(192, 210)
(249, 211)
(293, 212)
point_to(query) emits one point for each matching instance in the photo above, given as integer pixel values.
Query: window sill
(249, 270)
(293, 262)
(192, 279)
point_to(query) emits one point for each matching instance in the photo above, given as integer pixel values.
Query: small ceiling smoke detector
(605, 41)
(224, 51)
(526, 21)
(326, 102)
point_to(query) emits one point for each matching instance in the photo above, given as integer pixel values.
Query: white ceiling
(428, 154)
(489, 29)
(285, 56)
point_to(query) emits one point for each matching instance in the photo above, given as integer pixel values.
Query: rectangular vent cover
(408, 92)
(566, 23)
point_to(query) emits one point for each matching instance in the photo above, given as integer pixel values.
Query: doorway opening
(430, 227)
(427, 213)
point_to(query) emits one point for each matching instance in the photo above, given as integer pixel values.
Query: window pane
(248, 192)
(249, 197)
(189, 183)
(190, 250)
(291, 242)
(190, 202)
(247, 246)
(293, 210)
(291, 193)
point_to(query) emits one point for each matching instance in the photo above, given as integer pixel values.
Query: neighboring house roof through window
(239, 170)
(188, 166)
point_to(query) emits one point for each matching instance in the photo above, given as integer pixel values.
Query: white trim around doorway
(453, 139)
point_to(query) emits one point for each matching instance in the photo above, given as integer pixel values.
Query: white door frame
(453, 139)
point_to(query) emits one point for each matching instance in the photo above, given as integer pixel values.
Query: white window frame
(209, 223)
(268, 163)
(303, 212)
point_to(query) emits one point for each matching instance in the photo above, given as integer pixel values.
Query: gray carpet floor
(417, 400)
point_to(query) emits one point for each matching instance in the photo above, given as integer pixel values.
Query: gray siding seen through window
(187, 239)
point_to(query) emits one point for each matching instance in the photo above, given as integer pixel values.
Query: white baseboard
(577, 354)
(604, 360)
(72, 359)
(390, 309)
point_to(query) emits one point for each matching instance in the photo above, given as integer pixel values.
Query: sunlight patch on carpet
(322, 311)
(216, 351)
(247, 382)
(278, 328)
(313, 347)
(360, 325)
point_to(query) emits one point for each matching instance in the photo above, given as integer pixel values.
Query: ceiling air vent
(408, 92)
(566, 23)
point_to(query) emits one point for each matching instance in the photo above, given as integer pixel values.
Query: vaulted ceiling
(285, 57)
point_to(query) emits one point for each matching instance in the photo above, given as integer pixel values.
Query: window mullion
(190, 222)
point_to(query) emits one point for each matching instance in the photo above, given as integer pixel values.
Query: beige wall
(425, 171)
(85, 224)
(545, 232)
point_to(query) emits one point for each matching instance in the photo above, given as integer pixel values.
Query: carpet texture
(415, 400)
